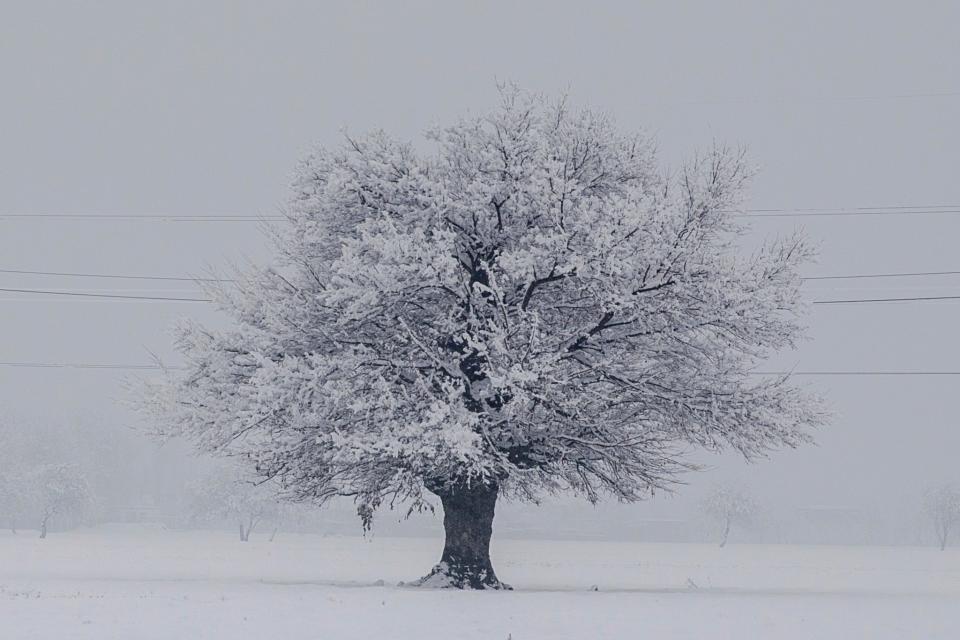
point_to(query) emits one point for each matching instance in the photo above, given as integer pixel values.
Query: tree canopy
(530, 303)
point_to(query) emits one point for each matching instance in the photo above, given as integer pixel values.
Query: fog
(188, 109)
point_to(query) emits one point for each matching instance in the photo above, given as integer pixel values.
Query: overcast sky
(196, 108)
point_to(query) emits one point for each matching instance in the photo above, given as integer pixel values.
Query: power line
(869, 300)
(848, 214)
(158, 367)
(811, 98)
(893, 207)
(109, 296)
(894, 96)
(103, 295)
(856, 373)
(127, 276)
(112, 276)
(770, 212)
(146, 217)
(908, 274)
(87, 365)
(839, 213)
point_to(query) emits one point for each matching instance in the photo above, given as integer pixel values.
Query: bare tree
(942, 505)
(60, 490)
(228, 492)
(535, 308)
(730, 506)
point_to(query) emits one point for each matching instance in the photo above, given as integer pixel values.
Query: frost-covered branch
(533, 306)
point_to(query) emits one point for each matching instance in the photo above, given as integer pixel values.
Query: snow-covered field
(132, 583)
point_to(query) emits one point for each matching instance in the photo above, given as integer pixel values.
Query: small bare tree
(61, 490)
(730, 506)
(227, 493)
(942, 504)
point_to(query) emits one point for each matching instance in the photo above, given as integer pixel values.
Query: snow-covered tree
(227, 492)
(60, 490)
(730, 506)
(532, 307)
(942, 505)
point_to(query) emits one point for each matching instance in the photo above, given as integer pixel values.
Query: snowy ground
(130, 583)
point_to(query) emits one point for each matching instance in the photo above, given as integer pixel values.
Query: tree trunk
(243, 533)
(726, 533)
(468, 526)
(43, 528)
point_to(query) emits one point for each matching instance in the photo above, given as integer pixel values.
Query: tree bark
(468, 526)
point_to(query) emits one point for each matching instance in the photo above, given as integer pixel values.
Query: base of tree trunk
(452, 576)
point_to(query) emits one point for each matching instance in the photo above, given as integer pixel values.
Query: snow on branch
(535, 304)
